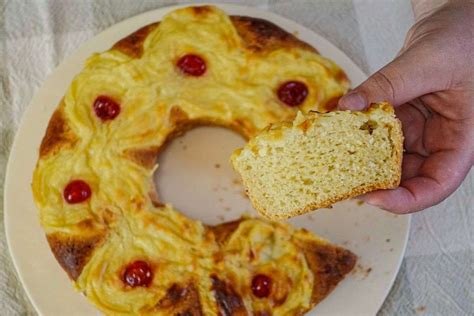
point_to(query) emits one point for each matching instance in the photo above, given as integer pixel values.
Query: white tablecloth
(436, 277)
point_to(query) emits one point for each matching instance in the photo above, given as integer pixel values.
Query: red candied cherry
(192, 65)
(77, 191)
(138, 273)
(261, 285)
(292, 93)
(106, 108)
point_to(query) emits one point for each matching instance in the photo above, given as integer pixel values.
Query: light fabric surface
(436, 277)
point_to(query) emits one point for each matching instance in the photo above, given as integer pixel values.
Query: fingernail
(352, 101)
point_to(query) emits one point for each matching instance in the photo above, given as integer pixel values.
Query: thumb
(413, 73)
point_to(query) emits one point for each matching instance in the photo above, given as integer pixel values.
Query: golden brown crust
(132, 45)
(58, 133)
(329, 265)
(154, 198)
(73, 253)
(201, 10)
(244, 128)
(145, 157)
(263, 36)
(180, 300)
(331, 104)
(178, 116)
(182, 123)
(228, 301)
(304, 126)
(223, 231)
(342, 78)
(220, 234)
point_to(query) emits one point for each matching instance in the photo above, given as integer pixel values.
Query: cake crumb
(367, 271)
(227, 209)
(217, 166)
(357, 269)
(420, 309)
(220, 217)
(221, 200)
(359, 202)
(387, 240)
(362, 271)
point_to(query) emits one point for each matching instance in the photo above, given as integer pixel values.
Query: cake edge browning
(229, 302)
(73, 253)
(260, 35)
(329, 265)
(223, 231)
(132, 45)
(58, 133)
(143, 156)
(181, 300)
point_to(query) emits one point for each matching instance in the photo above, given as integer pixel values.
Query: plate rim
(141, 19)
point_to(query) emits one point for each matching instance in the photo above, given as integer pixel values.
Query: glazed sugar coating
(123, 248)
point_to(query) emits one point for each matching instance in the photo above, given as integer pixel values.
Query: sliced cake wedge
(291, 168)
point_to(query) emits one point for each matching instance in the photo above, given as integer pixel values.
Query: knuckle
(386, 83)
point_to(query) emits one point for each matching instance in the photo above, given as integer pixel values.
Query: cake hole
(188, 179)
(369, 126)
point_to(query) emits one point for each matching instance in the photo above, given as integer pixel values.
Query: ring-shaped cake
(128, 252)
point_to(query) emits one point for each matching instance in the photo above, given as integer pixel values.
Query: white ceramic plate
(194, 175)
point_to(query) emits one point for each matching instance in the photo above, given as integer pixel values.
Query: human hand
(431, 85)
